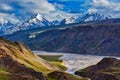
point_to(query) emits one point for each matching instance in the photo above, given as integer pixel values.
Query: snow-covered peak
(95, 17)
(55, 22)
(36, 18)
(39, 17)
(4, 22)
(92, 17)
(39, 20)
(70, 20)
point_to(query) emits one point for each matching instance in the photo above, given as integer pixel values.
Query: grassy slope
(4, 74)
(24, 55)
(54, 59)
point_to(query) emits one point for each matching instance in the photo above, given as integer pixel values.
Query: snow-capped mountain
(35, 21)
(71, 20)
(55, 22)
(91, 17)
(86, 18)
(38, 20)
(5, 25)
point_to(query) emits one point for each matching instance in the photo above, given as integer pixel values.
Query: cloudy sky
(19, 10)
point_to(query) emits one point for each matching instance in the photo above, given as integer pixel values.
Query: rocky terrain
(106, 69)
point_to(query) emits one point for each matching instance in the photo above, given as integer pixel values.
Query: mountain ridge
(88, 38)
(38, 20)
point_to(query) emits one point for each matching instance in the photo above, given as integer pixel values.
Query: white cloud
(59, 6)
(59, 15)
(47, 9)
(5, 7)
(23, 8)
(35, 6)
(27, 8)
(12, 18)
(105, 7)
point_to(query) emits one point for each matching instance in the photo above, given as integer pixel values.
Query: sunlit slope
(23, 55)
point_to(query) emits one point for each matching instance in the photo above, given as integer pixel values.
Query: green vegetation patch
(54, 59)
(4, 77)
(51, 57)
(4, 74)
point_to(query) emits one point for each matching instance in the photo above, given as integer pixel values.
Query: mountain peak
(39, 17)
(100, 16)
(93, 17)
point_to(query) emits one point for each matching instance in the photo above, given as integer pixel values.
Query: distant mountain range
(97, 38)
(94, 34)
(38, 20)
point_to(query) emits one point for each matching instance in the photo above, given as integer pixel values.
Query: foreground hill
(106, 69)
(17, 62)
(23, 55)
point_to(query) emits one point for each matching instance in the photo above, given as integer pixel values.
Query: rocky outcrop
(106, 69)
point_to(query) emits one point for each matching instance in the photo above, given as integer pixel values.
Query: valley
(18, 62)
(59, 39)
(77, 64)
(69, 52)
(73, 62)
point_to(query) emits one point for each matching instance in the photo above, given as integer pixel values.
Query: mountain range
(38, 20)
(96, 38)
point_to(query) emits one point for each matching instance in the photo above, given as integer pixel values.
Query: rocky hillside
(106, 69)
(89, 39)
(17, 62)
(99, 38)
(24, 55)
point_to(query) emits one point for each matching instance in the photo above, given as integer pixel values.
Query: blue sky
(72, 6)
(17, 10)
